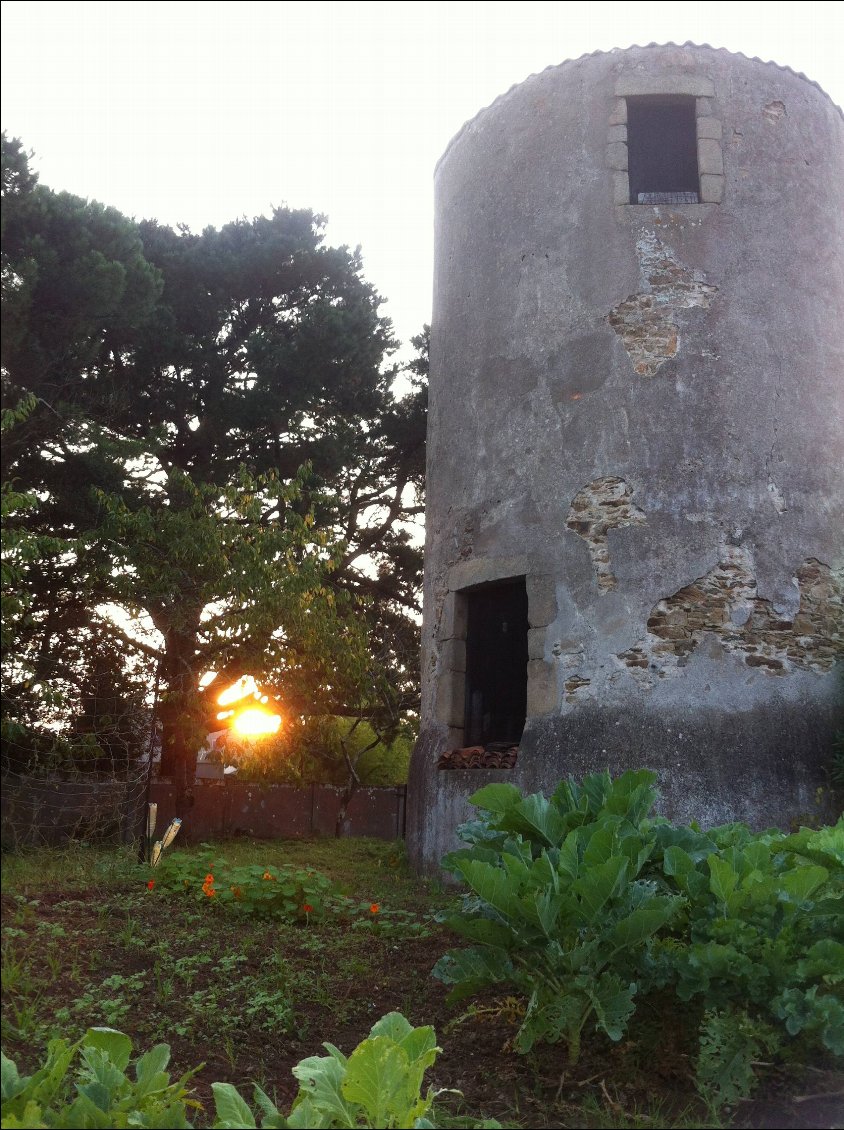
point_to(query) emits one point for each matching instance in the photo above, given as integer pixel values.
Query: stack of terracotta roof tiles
(495, 756)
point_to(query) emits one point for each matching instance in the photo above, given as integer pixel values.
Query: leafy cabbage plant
(561, 903)
(378, 1085)
(100, 1092)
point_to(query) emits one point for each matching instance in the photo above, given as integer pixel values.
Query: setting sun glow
(254, 723)
(246, 710)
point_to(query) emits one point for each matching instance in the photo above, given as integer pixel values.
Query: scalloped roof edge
(622, 51)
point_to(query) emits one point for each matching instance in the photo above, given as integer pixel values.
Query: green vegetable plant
(761, 946)
(583, 900)
(378, 1085)
(89, 1084)
(561, 905)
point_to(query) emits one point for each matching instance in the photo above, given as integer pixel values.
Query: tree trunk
(181, 733)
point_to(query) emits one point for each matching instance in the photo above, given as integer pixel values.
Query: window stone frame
(710, 158)
(542, 690)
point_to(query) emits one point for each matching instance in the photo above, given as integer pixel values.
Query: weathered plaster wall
(640, 409)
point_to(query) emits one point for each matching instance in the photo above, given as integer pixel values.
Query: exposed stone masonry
(725, 603)
(646, 322)
(597, 508)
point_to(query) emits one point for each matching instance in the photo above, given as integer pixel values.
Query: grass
(84, 942)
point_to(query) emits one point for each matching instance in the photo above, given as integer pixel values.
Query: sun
(255, 723)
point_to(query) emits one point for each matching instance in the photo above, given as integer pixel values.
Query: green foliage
(310, 750)
(731, 1043)
(751, 952)
(378, 759)
(582, 901)
(378, 1085)
(560, 907)
(99, 1091)
(293, 893)
(213, 454)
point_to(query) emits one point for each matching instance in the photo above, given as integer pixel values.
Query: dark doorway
(661, 148)
(496, 663)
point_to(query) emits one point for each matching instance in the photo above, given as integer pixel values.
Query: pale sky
(204, 112)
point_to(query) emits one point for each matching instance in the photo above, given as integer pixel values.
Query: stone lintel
(637, 84)
(483, 570)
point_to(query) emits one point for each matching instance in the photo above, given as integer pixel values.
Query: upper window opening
(496, 663)
(662, 150)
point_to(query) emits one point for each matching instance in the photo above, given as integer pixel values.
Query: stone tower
(636, 443)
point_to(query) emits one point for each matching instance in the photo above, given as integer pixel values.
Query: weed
(110, 1000)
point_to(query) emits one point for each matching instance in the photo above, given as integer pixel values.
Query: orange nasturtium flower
(374, 908)
(150, 884)
(209, 878)
(308, 909)
(267, 875)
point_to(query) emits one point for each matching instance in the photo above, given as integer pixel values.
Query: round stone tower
(635, 441)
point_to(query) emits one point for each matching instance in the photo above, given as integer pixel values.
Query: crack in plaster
(726, 604)
(600, 506)
(646, 322)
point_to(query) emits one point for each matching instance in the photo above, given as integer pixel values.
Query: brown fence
(230, 808)
(43, 812)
